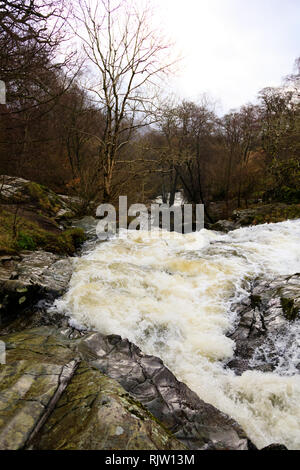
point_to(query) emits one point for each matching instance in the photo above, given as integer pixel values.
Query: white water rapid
(171, 295)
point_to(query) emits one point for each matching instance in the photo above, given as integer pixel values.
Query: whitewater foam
(172, 296)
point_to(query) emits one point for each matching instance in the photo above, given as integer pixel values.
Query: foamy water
(171, 295)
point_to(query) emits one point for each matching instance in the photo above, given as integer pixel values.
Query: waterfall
(173, 294)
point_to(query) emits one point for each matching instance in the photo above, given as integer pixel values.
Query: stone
(65, 390)
(195, 423)
(95, 413)
(51, 399)
(26, 280)
(224, 226)
(256, 214)
(266, 332)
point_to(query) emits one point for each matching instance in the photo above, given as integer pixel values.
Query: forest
(174, 335)
(88, 114)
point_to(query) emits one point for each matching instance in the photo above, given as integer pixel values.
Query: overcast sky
(232, 48)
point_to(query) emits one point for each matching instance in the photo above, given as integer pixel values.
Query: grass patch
(66, 242)
(28, 235)
(47, 201)
(25, 242)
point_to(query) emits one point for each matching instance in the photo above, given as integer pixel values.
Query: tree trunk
(173, 188)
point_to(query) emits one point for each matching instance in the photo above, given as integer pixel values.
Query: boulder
(26, 279)
(266, 334)
(95, 413)
(224, 226)
(265, 213)
(62, 389)
(51, 399)
(195, 423)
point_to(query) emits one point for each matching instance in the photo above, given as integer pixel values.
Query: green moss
(290, 311)
(139, 410)
(30, 236)
(67, 242)
(274, 213)
(25, 242)
(41, 196)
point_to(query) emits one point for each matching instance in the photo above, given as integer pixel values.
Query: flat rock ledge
(62, 390)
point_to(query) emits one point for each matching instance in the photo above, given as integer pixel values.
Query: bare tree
(127, 58)
(188, 128)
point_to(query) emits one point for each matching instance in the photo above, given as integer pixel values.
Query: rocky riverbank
(28, 283)
(32, 217)
(131, 401)
(61, 388)
(256, 214)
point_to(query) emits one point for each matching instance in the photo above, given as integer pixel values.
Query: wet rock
(255, 215)
(275, 447)
(49, 271)
(26, 279)
(96, 413)
(51, 399)
(224, 226)
(195, 423)
(35, 362)
(16, 190)
(266, 213)
(61, 389)
(266, 335)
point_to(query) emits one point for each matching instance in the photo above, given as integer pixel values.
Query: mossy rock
(46, 200)
(269, 213)
(51, 399)
(290, 311)
(65, 243)
(95, 413)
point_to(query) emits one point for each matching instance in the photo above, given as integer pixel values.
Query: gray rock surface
(14, 189)
(269, 323)
(195, 423)
(224, 226)
(27, 278)
(56, 380)
(51, 399)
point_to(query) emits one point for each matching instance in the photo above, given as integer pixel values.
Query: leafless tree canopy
(127, 59)
(87, 113)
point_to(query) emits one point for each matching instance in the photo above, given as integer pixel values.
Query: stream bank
(57, 376)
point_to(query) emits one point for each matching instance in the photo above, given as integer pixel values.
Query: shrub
(25, 242)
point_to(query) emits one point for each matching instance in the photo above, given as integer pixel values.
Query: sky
(231, 49)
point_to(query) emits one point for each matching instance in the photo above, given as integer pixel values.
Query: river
(173, 295)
